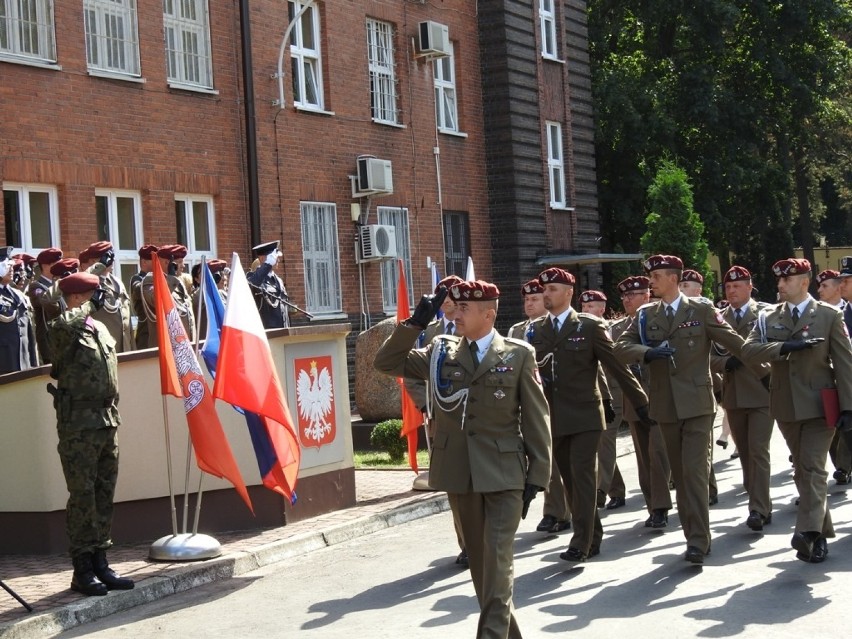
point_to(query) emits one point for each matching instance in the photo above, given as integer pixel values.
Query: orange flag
(412, 418)
(181, 376)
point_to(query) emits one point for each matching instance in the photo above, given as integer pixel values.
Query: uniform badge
(499, 394)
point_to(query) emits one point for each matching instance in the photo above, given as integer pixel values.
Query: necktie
(474, 353)
(451, 328)
(555, 324)
(669, 314)
(795, 315)
(739, 314)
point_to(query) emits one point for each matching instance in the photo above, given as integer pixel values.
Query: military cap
(592, 296)
(478, 291)
(217, 266)
(79, 283)
(26, 258)
(634, 283)
(17, 262)
(827, 274)
(448, 282)
(6, 252)
(846, 266)
(656, 262)
(97, 249)
(266, 248)
(172, 251)
(791, 266)
(147, 251)
(556, 275)
(736, 274)
(65, 266)
(690, 275)
(85, 255)
(531, 288)
(49, 255)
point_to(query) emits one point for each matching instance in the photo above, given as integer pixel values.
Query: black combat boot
(107, 575)
(84, 579)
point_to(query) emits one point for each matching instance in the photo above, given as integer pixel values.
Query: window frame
(442, 87)
(380, 37)
(556, 164)
(124, 257)
(25, 217)
(302, 57)
(547, 27)
(96, 42)
(200, 27)
(456, 258)
(327, 260)
(398, 217)
(193, 254)
(45, 36)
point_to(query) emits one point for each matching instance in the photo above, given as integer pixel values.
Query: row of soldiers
(30, 298)
(789, 363)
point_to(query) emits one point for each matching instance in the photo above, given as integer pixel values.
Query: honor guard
(745, 398)
(808, 347)
(674, 336)
(17, 335)
(268, 288)
(168, 256)
(46, 306)
(491, 450)
(147, 254)
(570, 348)
(115, 312)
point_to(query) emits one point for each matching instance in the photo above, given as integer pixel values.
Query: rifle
(281, 298)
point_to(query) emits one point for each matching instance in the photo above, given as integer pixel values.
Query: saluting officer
(808, 347)
(147, 253)
(17, 336)
(169, 256)
(45, 306)
(269, 291)
(569, 348)
(115, 311)
(745, 398)
(556, 515)
(491, 450)
(674, 337)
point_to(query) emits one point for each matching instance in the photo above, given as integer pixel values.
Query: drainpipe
(251, 128)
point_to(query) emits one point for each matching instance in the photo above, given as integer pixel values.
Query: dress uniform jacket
(417, 388)
(743, 387)
(17, 336)
(269, 291)
(138, 306)
(183, 305)
(115, 313)
(46, 308)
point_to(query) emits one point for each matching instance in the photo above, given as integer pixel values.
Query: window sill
(328, 316)
(450, 132)
(391, 124)
(30, 62)
(552, 58)
(113, 75)
(193, 88)
(561, 207)
(306, 109)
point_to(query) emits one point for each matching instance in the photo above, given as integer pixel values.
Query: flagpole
(202, 301)
(169, 467)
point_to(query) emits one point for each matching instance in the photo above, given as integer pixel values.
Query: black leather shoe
(820, 551)
(572, 554)
(722, 443)
(601, 499)
(560, 525)
(547, 522)
(803, 543)
(694, 555)
(649, 522)
(713, 500)
(756, 521)
(594, 551)
(659, 518)
(841, 476)
(84, 580)
(462, 560)
(615, 502)
(735, 454)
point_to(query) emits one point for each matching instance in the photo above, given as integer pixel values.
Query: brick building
(137, 122)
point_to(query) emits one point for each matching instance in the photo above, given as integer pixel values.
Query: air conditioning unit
(434, 40)
(375, 177)
(378, 242)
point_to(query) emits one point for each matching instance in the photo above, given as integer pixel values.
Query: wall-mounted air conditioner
(375, 177)
(377, 242)
(433, 39)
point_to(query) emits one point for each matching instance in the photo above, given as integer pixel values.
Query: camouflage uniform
(86, 400)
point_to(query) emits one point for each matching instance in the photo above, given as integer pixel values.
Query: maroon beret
(49, 255)
(66, 265)
(827, 274)
(26, 258)
(791, 266)
(531, 288)
(172, 251)
(663, 261)
(592, 296)
(556, 275)
(450, 281)
(692, 276)
(217, 266)
(477, 291)
(146, 252)
(736, 274)
(634, 283)
(85, 256)
(79, 283)
(98, 248)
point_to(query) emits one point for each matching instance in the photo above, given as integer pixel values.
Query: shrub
(386, 437)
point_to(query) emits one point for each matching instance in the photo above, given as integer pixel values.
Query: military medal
(499, 394)
(691, 343)
(805, 331)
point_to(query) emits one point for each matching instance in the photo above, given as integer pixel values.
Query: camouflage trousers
(90, 465)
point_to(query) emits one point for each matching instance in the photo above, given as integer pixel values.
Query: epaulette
(519, 342)
(589, 316)
(646, 306)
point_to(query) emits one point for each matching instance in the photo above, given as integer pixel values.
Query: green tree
(673, 226)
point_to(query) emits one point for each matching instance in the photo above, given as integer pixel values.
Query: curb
(191, 576)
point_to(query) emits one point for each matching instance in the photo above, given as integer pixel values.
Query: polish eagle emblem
(315, 401)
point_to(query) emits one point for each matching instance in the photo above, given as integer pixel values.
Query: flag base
(185, 547)
(421, 482)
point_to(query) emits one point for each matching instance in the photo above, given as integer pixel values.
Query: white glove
(5, 267)
(272, 258)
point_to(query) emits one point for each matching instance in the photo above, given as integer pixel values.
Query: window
(319, 252)
(398, 218)
(547, 20)
(32, 217)
(382, 78)
(456, 242)
(26, 29)
(196, 226)
(556, 165)
(119, 219)
(187, 35)
(112, 43)
(446, 108)
(305, 57)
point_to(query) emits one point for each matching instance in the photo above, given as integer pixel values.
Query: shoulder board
(518, 342)
(647, 306)
(589, 316)
(514, 326)
(702, 300)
